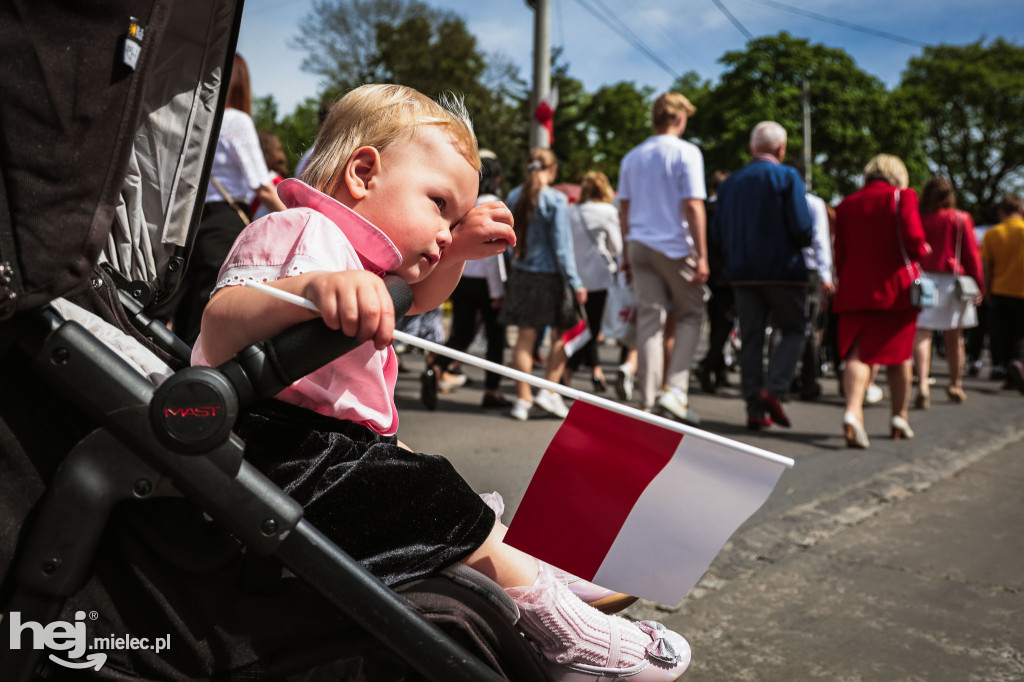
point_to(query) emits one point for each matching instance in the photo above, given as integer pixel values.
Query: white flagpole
(572, 393)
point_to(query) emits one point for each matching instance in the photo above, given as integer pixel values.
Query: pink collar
(376, 251)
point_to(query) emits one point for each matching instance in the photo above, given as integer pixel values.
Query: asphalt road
(902, 562)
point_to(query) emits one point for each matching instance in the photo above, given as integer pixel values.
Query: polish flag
(544, 114)
(636, 507)
(577, 337)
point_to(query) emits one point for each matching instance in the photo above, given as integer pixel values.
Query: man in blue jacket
(761, 224)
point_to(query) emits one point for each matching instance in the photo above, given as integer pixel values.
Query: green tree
(853, 117)
(297, 131)
(571, 132)
(340, 38)
(441, 55)
(618, 118)
(969, 99)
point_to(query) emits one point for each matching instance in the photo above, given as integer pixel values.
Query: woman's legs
(899, 378)
(923, 363)
(522, 360)
(557, 358)
(955, 354)
(856, 377)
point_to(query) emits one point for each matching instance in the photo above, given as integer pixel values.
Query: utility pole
(541, 67)
(806, 101)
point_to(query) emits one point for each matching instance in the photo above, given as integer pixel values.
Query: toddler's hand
(355, 301)
(486, 230)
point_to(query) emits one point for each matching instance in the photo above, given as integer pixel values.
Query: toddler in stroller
(390, 188)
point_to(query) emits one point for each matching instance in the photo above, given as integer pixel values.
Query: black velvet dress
(401, 514)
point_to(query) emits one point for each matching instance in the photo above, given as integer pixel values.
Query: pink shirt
(319, 233)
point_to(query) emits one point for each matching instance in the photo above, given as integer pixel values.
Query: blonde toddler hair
(377, 116)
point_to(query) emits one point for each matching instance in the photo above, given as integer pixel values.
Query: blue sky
(684, 34)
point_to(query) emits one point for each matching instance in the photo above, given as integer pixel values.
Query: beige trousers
(661, 283)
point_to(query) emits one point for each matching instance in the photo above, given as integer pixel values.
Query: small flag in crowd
(635, 507)
(577, 337)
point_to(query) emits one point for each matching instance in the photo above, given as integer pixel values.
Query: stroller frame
(125, 457)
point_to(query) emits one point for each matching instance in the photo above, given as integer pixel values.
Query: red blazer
(941, 229)
(871, 272)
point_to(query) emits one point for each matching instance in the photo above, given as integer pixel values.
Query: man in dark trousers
(761, 224)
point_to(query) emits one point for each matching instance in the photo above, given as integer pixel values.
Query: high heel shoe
(956, 394)
(856, 436)
(900, 428)
(923, 401)
(599, 382)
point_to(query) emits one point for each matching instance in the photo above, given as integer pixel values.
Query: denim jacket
(549, 245)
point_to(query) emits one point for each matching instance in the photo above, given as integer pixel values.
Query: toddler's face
(424, 187)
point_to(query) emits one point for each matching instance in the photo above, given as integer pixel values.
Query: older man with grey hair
(762, 224)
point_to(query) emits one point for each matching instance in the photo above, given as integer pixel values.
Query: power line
(561, 24)
(734, 20)
(613, 22)
(839, 22)
(665, 37)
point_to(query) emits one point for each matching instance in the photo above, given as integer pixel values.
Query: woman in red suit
(876, 321)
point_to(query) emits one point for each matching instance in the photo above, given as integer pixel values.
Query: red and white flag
(577, 337)
(544, 114)
(636, 507)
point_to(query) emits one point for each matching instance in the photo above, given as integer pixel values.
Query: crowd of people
(867, 283)
(761, 254)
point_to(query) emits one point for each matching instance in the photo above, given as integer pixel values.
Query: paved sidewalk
(931, 589)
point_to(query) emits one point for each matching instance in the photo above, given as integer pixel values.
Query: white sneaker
(521, 409)
(675, 404)
(874, 394)
(551, 403)
(624, 382)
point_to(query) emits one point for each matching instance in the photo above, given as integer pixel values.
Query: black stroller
(129, 518)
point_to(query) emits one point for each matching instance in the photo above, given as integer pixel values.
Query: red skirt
(886, 337)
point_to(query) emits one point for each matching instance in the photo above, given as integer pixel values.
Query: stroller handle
(305, 348)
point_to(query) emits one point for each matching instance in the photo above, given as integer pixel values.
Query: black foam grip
(307, 347)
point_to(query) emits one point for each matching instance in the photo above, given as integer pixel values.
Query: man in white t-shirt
(661, 210)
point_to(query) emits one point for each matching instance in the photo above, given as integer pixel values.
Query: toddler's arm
(486, 230)
(354, 301)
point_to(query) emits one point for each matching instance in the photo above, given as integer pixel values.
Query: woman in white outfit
(597, 242)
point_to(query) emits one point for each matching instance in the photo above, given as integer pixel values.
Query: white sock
(566, 629)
